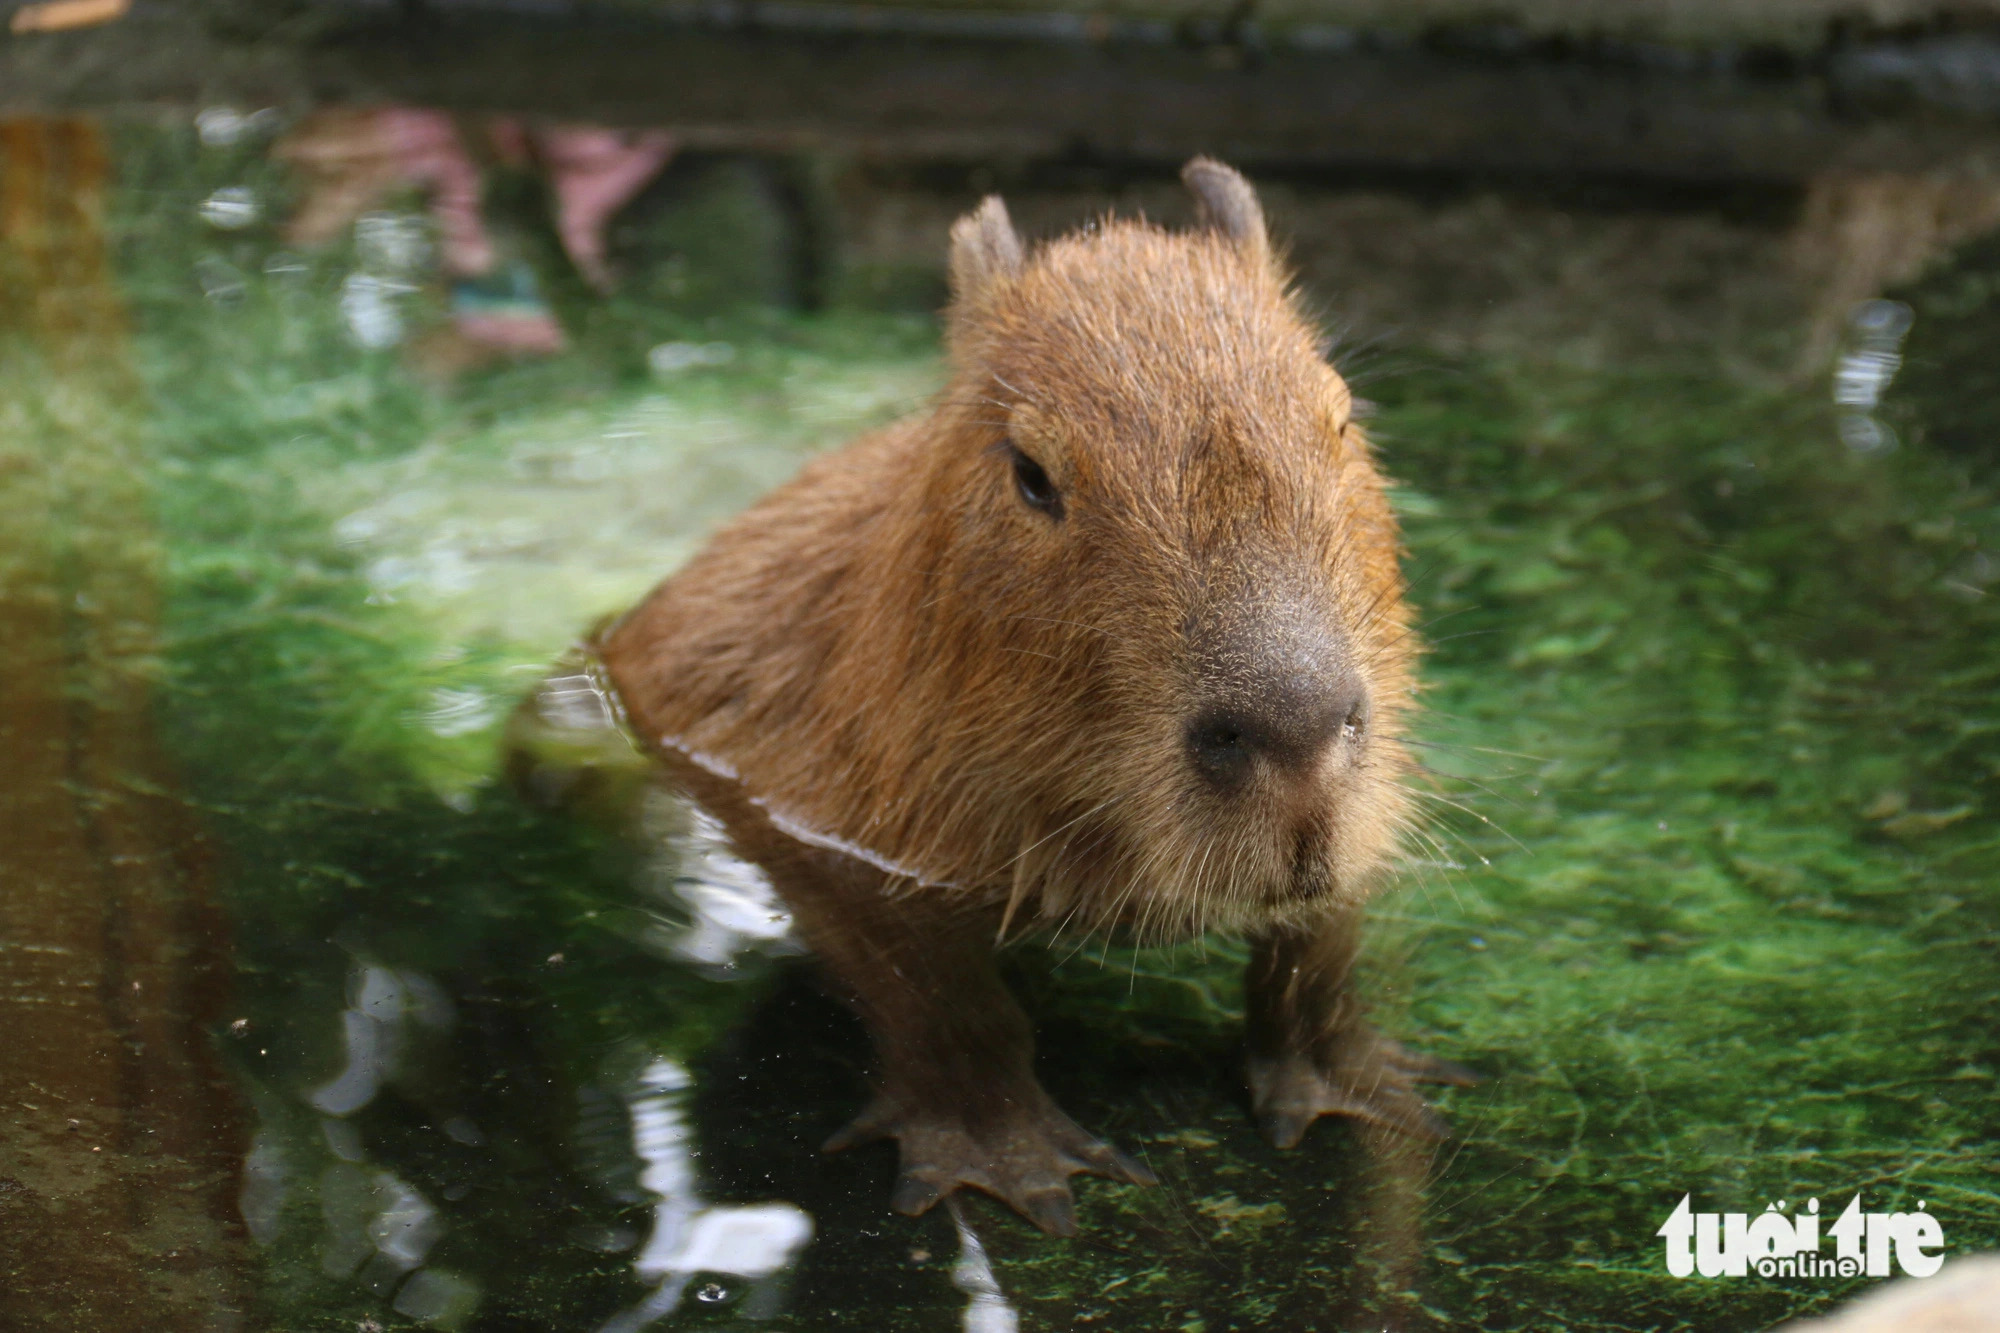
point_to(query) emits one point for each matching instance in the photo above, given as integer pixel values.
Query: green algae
(1694, 946)
(1689, 948)
(1708, 896)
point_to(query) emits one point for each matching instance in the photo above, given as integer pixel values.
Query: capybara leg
(1022, 1152)
(1312, 1053)
(957, 1085)
(958, 1089)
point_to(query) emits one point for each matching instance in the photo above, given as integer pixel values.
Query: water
(315, 1022)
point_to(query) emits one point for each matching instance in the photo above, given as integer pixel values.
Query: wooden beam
(938, 98)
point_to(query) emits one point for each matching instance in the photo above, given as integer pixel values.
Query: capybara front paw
(1022, 1155)
(1365, 1075)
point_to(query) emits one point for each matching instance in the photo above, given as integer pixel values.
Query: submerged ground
(1710, 897)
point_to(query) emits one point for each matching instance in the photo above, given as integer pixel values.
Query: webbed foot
(1022, 1155)
(1367, 1075)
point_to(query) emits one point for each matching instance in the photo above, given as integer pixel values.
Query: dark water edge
(1711, 901)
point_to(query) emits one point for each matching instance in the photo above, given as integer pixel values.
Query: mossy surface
(1709, 900)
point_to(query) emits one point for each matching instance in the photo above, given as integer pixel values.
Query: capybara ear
(1229, 205)
(984, 249)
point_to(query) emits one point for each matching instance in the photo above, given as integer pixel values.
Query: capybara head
(1162, 528)
(1117, 634)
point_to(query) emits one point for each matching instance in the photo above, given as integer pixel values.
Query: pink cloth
(353, 158)
(594, 174)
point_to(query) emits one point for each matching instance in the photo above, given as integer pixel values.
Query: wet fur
(894, 652)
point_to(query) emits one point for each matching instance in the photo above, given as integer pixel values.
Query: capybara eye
(1351, 728)
(1035, 486)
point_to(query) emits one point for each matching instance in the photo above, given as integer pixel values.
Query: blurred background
(357, 357)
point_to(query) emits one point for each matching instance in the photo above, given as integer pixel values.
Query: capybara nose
(1287, 724)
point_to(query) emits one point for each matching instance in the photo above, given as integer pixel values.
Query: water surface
(316, 1023)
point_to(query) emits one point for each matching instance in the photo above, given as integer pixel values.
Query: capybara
(1114, 636)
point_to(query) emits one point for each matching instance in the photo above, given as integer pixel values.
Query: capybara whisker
(1135, 560)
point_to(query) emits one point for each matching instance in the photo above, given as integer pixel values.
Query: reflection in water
(352, 160)
(119, 1140)
(1860, 234)
(226, 127)
(376, 1219)
(1397, 1168)
(419, 1149)
(565, 739)
(373, 1028)
(1869, 361)
(734, 909)
(377, 1230)
(755, 1242)
(987, 1309)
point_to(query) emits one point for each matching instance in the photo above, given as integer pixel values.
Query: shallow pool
(313, 1022)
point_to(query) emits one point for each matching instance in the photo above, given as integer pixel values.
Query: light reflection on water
(987, 1309)
(1866, 367)
(513, 1068)
(754, 1242)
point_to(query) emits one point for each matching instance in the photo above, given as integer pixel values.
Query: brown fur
(988, 706)
(893, 650)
